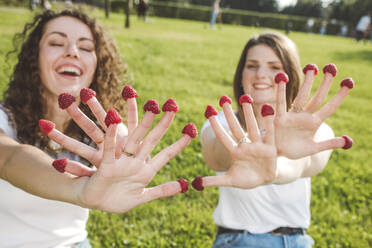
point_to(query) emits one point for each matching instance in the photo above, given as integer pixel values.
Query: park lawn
(181, 59)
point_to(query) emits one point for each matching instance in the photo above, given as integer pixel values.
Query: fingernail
(170, 106)
(330, 68)
(112, 117)
(86, 94)
(65, 100)
(348, 82)
(190, 130)
(209, 111)
(267, 110)
(60, 164)
(245, 98)
(198, 183)
(311, 67)
(281, 77)
(153, 106)
(184, 185)
(46, 126)
(128, 92)
(224, 99)
(348, 142)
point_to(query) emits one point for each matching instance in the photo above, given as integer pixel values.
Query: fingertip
(112, 117)
(330, 68)
(46, 126)
(170, 106)
(184, 184)
(245, 99)
(60, 164)
(310, 67)
(129, 92)
(281, 77)
(190, 130)
(348, 142)
(347, 82)
(152, 106)
(197, 183)
(267, 110)
(225, 99)
(65, 100)
(210, 111)
(86, 94)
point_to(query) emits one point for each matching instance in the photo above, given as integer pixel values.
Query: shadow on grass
(359, 56)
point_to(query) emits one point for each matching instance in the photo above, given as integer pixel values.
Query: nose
(261, 71)
(72, 51)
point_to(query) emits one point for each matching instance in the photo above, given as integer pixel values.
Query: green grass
(184, 60)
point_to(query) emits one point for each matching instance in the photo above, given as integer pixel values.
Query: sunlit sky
(283, 3)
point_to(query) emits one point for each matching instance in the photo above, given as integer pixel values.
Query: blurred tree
(350, 10)
(310, 8)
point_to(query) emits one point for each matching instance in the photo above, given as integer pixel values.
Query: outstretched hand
(253, 158)
(123, 171)
(295, 129)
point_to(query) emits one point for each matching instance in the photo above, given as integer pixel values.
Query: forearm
(215, 154)
(29, 169)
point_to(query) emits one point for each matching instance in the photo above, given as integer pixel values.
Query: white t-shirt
(267, 207)
(28, 221)
(363, 23)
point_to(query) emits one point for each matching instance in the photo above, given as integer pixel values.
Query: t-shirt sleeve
(5, 125)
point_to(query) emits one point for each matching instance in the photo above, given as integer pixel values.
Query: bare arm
(29, 168)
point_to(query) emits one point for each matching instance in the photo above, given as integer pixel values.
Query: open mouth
(261, 86)
(70, 71)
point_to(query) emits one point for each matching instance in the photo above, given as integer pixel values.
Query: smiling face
(67, 57)
(261, 66)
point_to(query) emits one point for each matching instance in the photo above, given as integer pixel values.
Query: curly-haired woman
(61, 54)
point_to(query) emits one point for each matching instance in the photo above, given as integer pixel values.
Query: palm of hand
(252, 164)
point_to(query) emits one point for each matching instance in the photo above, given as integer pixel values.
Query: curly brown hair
(23, 97)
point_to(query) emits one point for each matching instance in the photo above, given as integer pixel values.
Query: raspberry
(281, 77)
(311, 67)
(190, 130)
(46, 126)
(348, 82)
(198, 183)
(245, 98)
(60, 164)
(224, 99)
(209, 111)
(128, 92)
(184, 185)
(112, 117)
(348, 142)
(65, 100)
(330, 68)
(170, 106)
(153, 106)
(86, 94)
(267, 110)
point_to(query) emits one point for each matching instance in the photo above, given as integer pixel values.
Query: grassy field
(184, 60)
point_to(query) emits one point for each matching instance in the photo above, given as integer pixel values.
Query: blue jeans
(265, 240)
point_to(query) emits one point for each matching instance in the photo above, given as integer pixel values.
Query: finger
(88, 126)
(320, 95)
(75, 168)
(268, 113)
(250, 120)
(281, 79)
(129, 94)
(160, 159)
(151, 109)
(74, 146)
(87, 96)
(235, 127)
(200, 183)
(110, 144)
(221, 134)
(155, 135)
(161, 191)
(310, 71)
(343, 142)
(328, 109)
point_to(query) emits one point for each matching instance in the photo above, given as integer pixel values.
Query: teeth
(262, 86)
(69, 69)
